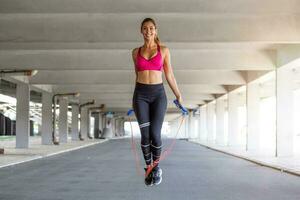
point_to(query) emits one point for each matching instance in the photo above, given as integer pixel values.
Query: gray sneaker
(157, 175)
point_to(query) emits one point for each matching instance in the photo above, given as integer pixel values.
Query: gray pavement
(107, 171)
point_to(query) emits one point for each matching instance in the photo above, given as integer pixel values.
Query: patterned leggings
(150, 104)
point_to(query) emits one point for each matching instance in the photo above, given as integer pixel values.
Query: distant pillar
(101, 124)
(46, 118)
(96, 125)
(220, 121)
(190, 125)
(122, 127)
(63, 120)
(253, 116)
(285, 107)
(233, 129)
(84, 122)
(210, 122)
(22, 116)
(203, 127)
(75, 133)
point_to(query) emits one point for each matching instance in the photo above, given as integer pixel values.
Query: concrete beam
(166, 6)
(126, 104)
(120, 59)
(125, 96)
(192, 27)
(129, 88)
(119, 77)
(125, 45)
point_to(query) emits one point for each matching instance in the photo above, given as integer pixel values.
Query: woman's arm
(134, 54)
(170, 75)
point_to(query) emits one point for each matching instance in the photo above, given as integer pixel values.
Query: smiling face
(148, 30)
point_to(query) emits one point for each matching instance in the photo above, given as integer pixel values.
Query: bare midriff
(149, 77)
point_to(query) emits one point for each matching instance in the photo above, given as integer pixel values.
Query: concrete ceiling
(85, 46)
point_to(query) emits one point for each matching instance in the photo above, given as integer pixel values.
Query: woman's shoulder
(134, 51)
(164, 49)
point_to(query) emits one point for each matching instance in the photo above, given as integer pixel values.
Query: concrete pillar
(172, 128)
(84, 122)
(117, 125)
(193, 127)
(63, 120)
(199, 125)
(175, 126)
(89, 122)
(184, 128)
(108, 131)
(203, 127)
(114, 122)
(46, 118)
(220, 120)
(113, 126)
(190, 125)
(233, 129)
(101, 122)
(284, 106)
(123, 127)
(104, 122)
(117, 128)
(22, 116)
(211, 122)
(253, 120)
(75, 133)
(96, 125)
(39, 128)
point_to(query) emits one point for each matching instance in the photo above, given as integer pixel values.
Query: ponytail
(157, 40)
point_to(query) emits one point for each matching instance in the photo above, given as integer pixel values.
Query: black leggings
(150, 104)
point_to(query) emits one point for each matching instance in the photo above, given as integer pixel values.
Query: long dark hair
(156, 39)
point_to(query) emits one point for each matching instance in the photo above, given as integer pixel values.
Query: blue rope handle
(130, 112)
(183, 109)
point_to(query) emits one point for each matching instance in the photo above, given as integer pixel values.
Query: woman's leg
(157, 113)
(141, 109)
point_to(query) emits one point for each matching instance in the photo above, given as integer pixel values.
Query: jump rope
(130, 112)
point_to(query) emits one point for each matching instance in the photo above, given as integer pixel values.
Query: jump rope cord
(166, 152)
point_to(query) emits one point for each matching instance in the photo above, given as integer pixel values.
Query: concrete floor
(290, 164)
(107, 171)
(37, 150)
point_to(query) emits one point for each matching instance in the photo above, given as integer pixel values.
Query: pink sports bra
(154, 63)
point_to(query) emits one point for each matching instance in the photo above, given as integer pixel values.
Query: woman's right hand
(179, 99)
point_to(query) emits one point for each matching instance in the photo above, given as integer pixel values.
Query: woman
(149, 99)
